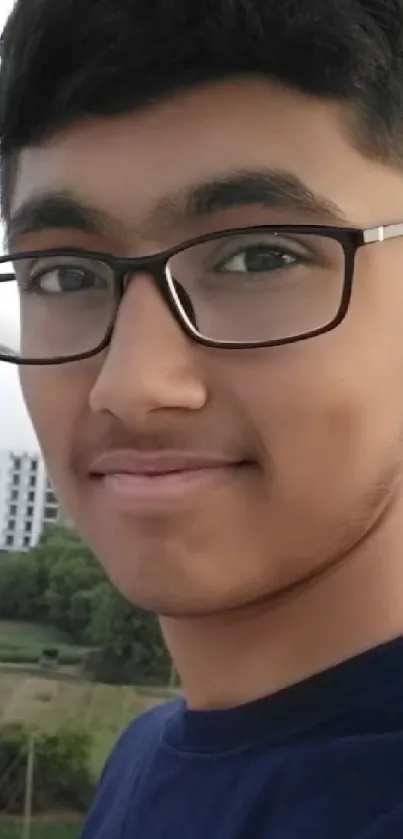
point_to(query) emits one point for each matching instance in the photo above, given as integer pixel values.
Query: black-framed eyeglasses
(235, 289)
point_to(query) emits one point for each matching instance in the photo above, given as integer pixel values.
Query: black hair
(63, 60)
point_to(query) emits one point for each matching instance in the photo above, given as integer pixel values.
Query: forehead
(130, 165)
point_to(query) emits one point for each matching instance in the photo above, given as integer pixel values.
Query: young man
(204, 208)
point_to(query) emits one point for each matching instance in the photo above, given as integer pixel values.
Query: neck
(237, 657)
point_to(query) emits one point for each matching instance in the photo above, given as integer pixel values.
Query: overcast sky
(16, 431)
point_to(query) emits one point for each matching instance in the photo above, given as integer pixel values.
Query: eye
(256, 259)
(57, 276)
(64, 279)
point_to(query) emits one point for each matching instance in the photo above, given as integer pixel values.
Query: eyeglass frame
(155, 265)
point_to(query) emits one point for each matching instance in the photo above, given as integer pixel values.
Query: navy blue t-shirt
(320, 760)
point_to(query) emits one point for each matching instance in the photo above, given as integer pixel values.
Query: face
(300, 444)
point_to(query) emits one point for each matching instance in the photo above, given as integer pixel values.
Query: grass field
(48, 700)
(48, 703)
(25, 639)
(48, 830)
(51, 699)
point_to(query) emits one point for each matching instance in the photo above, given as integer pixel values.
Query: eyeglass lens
(246, 287)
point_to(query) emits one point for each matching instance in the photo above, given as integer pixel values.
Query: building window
(16, 462)
(9, 541)
(16, 480)
(32, 481)
(28, 526)
(13, 509)
(50, 513)
(31, 497)
(34, 465)
(27, 541)
(11, 525)
(30, 511)
(14, 495)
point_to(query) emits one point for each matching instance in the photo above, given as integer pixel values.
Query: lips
(155, 464)
(159, 481)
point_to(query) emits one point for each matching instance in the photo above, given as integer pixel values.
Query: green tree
(61, 583)
(70, 572)
(131, 639)
(21, 588)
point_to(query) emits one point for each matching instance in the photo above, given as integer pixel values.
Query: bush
(26, 657)
(105, 666)
(61, 779)
(18, 657)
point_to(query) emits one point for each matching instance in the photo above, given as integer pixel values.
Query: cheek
(55, 398)
(325, 417)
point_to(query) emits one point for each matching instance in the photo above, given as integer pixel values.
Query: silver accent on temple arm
(379, 234)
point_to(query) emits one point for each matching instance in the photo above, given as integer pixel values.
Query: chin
(177, 575)
(177, 595)
(183, 603)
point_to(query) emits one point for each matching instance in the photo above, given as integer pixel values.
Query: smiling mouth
(151, 484)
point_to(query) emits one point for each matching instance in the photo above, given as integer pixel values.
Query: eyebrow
(263, 188)
(55, 211)
(266, 188)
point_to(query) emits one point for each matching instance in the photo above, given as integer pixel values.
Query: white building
(27, 501)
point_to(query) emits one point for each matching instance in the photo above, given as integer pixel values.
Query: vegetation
(62, 775)
(50, 703)
(23, 643)
(42, 830)
(71, 652)
(59, 585)
(76, 724)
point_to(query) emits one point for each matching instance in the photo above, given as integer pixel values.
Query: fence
(25, 786)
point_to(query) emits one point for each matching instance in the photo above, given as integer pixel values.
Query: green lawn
(26, 639)
(48, 830)
(49, 702)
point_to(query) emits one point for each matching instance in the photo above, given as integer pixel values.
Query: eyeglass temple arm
(379, 234)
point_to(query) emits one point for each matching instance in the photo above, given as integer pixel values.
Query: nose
(151, 365)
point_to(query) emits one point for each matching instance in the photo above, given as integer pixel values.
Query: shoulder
(138, 742)
(140, 736)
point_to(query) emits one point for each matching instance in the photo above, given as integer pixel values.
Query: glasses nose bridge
(127, 268)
